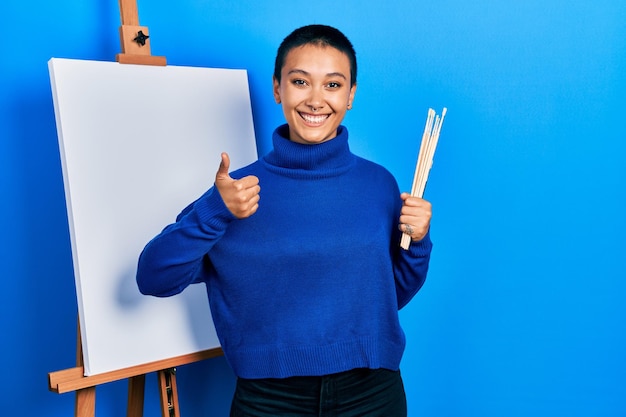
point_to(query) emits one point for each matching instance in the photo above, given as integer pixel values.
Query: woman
(305, 284)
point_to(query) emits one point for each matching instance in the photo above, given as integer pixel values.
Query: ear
(276, 89)
(351, 96)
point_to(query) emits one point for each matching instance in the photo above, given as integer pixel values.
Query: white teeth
(313, 118)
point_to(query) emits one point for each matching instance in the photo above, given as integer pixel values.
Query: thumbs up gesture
(240, 196)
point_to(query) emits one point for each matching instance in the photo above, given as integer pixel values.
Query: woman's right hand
(240, 196)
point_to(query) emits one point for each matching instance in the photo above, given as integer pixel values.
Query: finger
(415, 232)
(418, 211)
(243, 194)
(415, 213)
(246, 205)
(415, 201)
(222, 171)
(416, 222)
(406, 228)
(408, 197)
(418, 217)
(250, 181)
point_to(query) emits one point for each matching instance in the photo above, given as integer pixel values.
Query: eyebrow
(303, 72)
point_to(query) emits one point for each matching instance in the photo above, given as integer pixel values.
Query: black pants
(356, 393)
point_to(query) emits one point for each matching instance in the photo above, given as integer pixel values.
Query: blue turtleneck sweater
(312, 282)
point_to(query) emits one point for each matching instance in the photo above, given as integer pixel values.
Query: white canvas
(137, 144)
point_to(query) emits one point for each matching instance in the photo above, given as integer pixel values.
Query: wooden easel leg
(85, 404)
(136, 391)
(169, 393)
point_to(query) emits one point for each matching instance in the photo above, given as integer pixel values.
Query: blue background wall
(523, 313)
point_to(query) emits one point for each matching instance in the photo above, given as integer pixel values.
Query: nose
(315, 100)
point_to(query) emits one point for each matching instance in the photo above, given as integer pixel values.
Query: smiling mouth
(314, 119)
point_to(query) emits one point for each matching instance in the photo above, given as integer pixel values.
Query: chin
(316, 140)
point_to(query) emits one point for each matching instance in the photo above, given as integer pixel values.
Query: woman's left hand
(415, 216)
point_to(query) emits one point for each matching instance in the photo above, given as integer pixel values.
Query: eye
(298, 82)
(334, 85)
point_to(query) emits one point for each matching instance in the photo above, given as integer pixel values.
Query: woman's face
(315, 92)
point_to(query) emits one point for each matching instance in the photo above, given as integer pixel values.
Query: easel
(74, 379)
(135, 50)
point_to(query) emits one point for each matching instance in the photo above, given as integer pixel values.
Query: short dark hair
(321, 35)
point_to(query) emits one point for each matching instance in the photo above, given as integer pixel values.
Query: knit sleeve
(410, 269)
(175, 258)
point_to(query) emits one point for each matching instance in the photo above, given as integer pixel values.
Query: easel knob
(135, 39)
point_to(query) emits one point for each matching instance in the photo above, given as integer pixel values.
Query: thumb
(222, 172)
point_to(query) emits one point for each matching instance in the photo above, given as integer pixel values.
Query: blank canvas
(137, 144)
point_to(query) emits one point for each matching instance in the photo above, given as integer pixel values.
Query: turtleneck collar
(326, 159)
